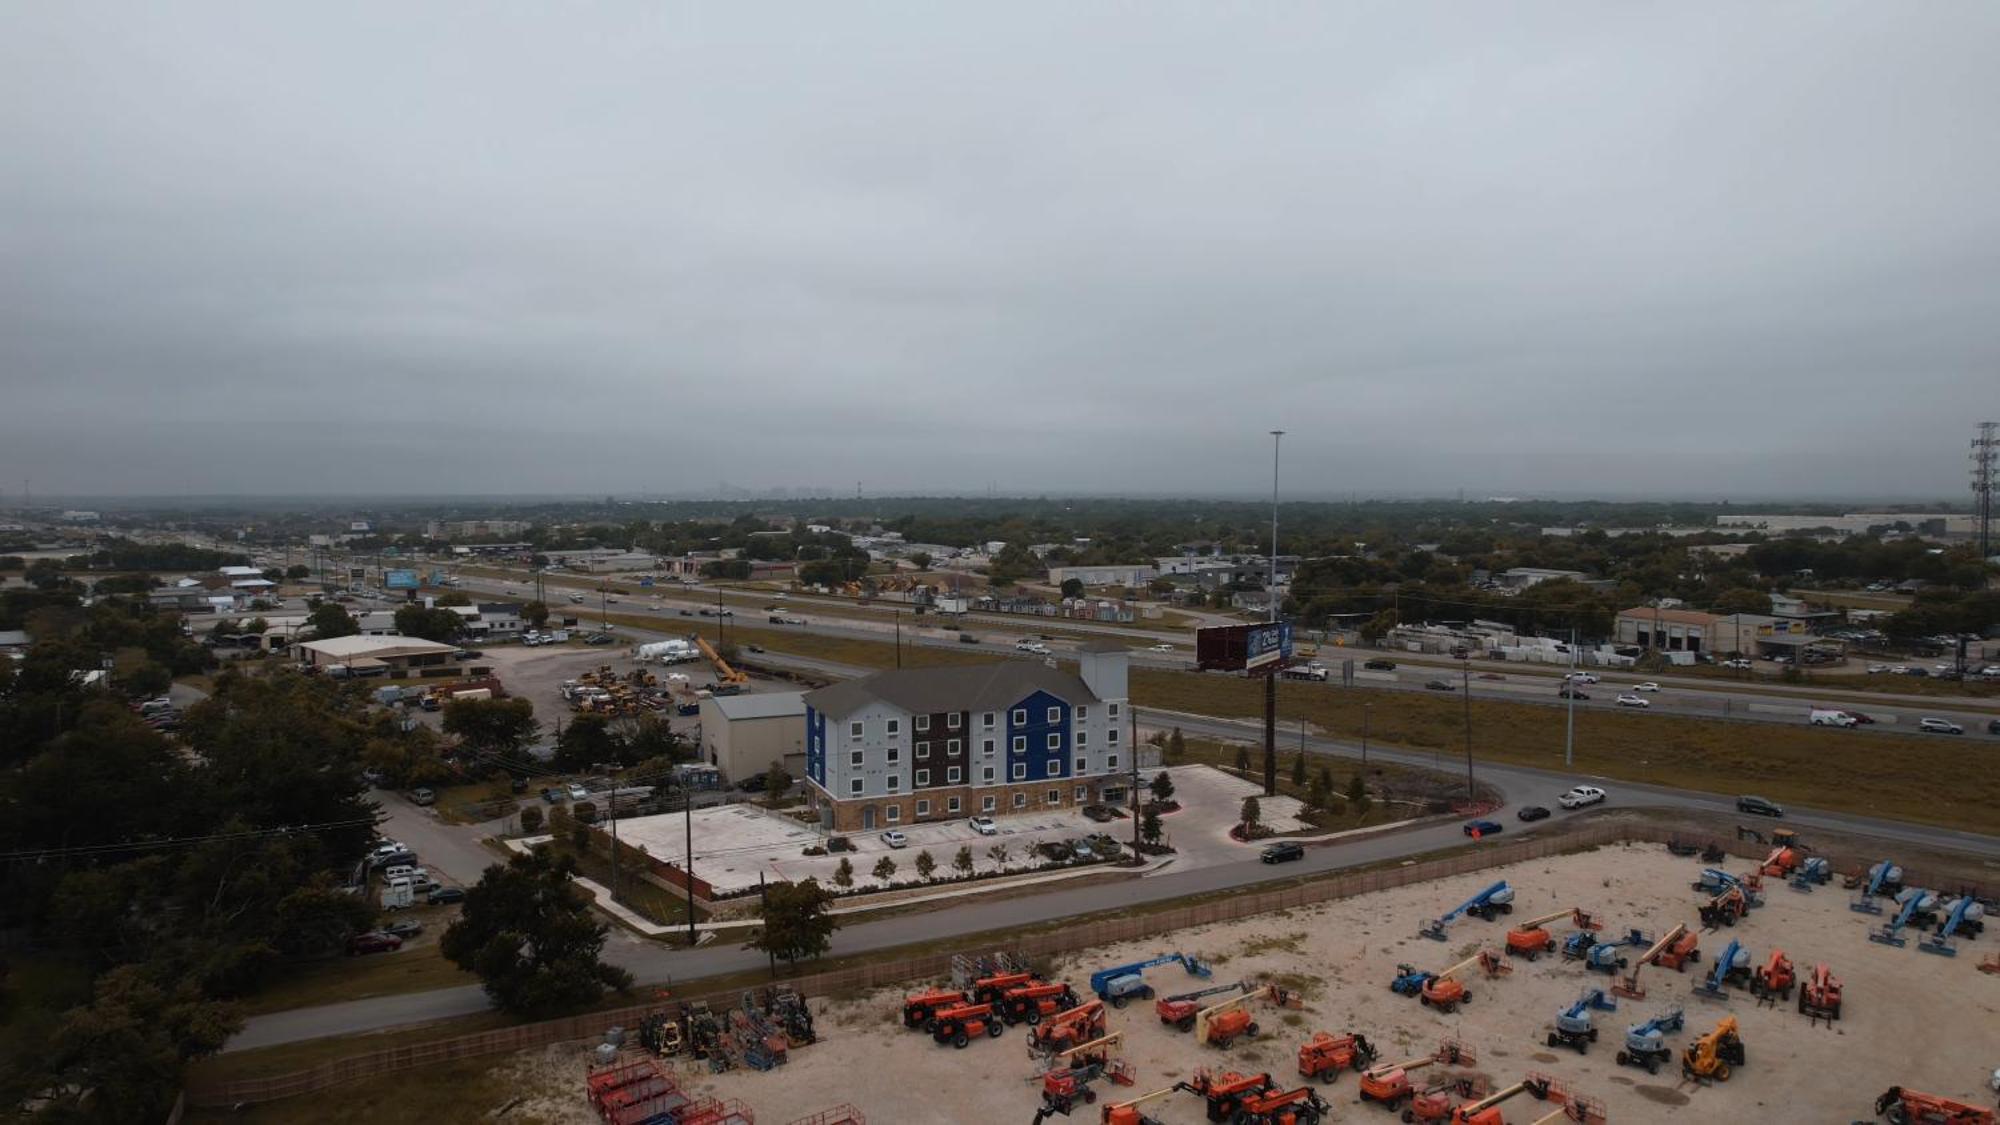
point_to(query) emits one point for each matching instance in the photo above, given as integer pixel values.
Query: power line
(184, 841)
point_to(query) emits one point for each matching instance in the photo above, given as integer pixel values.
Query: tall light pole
(1569, 690)
(1465, 685)
(1271, 615)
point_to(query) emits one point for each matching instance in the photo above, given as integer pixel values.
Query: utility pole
(1367, 710)
(1133, 713)
(687, 868)
(1465, 679)
(719, 619)
(1569, 691)
(1271, 616)
(898, 615)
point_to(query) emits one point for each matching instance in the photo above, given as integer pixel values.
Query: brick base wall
(848, 815)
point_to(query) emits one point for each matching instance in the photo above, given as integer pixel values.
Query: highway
(1893, 713)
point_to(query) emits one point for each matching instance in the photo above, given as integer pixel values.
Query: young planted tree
(1242, 757)
(925, 865)
(843, 876)
(1176, 746)
(797, 921)
(1298, 769)
(1319, 794)
(1253, 815)
(531, 820)
(999, 854)
(1357, 795)
(962, 862)
(1149, 826)
(1163, 787)
(885, 869)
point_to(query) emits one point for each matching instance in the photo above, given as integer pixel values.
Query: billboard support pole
(1271, 731)
(1271, 606)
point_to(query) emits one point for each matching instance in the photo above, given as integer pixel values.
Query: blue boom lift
(1127, 982)
(1733, 964)
(1604, 957)
(1645, 1043)
(1963, 915)
(1573, 1024)
(1883, 878)
(1496, 899)
(1914, 900)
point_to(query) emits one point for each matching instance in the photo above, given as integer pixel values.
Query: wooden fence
(936, 966)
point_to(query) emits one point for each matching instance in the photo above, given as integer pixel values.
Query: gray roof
(972, 687)
(13, 638)
(764, 705)
(1102, 646)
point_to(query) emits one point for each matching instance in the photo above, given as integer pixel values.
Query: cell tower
(1985, 459)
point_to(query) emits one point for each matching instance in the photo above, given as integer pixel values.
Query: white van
(1832, 719)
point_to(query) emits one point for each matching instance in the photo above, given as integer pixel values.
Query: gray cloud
(1706, 249)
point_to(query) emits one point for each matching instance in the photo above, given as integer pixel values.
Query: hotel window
(952, 805)
(1055, 742)
(1055, 714)
(1082, 766)
(1111, 736)
(1083, 738)
(1020, 716)
(854, 759)
(987, 775)
(989, 746)
(952, 721)
(1020, 744)
(1054, 797)
(1020, 800)
(1111, 709)
(986, 720)
(1055, 769)
(923, 778)
(951, 745)
(1111, 763)
(923, 750)
(892, 783)
(951, 776)
(893, 727)
(988, 804)
(923, 722)
(854, 787)
(1082, 713)
(854, 730)
(1082, 793)
(895, 813)
(923, 808)
(1020, 771)
(894, 755)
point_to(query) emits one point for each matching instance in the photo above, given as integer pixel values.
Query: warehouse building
(745, 735)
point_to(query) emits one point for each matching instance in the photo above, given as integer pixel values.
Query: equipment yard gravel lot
(1921, 1021)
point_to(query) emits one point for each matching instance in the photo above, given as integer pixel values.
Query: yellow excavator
(1709, 1058)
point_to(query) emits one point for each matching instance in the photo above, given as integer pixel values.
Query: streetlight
(1465, 681)
(1367, 710)
(1271, 616)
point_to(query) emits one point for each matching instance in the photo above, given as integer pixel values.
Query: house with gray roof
(924, 744)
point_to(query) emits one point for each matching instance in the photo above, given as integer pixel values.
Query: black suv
(1279, 853)
(1380, 665)
(1758, 806)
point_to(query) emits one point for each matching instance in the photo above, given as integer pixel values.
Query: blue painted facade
(816, 747)
(1036, 754)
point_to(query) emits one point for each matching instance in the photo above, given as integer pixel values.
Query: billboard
(399, 580)
(1268, 644)
(1236, 648)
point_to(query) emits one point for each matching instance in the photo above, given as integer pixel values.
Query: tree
(441, 625)
(1741, 600)
(843, 876)
(494, 727)
(455, 598)
(776, 781)
(1325, 776)
(999, 854)
(730, 569)
(584, 743)
(1253, 815)
(527, 931)
(297, 572)
(925, 865)
(531, 820)
(121, 1058)
(1319, 794)
(1242, 757)
(1149, 826)
(1378, 626)
(147, 680)
(797, 921)
(1298, 769)
(536, 614)
(1357, 795)
(1072, 588)
(1176, 745)
(962, 862)
(331, 619)
(1163, 787)
(921, 559)
(885, 869)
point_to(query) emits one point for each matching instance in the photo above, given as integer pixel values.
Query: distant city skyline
(1561, 250)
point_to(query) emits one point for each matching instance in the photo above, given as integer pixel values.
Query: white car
(677, 677)
(1036, 647)
(1629, 700)
(984, 826)
(1163, 648)
(1939, 726)
(1580, 796)
(1647, 686)
(578, 792)
(895, 839)
(1580, 677)
(1877, 669)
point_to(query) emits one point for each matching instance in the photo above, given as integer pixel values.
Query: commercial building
(473, 529)
(1522, 577)
(1122, 574)
(1669, 630)
(745, 735)
(393, 655)
(922, 744)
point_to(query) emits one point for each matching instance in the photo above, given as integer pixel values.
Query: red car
(1860, 719)
(373, 943)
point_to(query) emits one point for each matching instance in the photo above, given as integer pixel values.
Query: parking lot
(733, 844)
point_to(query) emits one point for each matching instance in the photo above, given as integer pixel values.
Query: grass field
(418, 968)
(1925, 780)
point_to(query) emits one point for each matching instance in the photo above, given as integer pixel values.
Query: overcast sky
(1687, 249)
